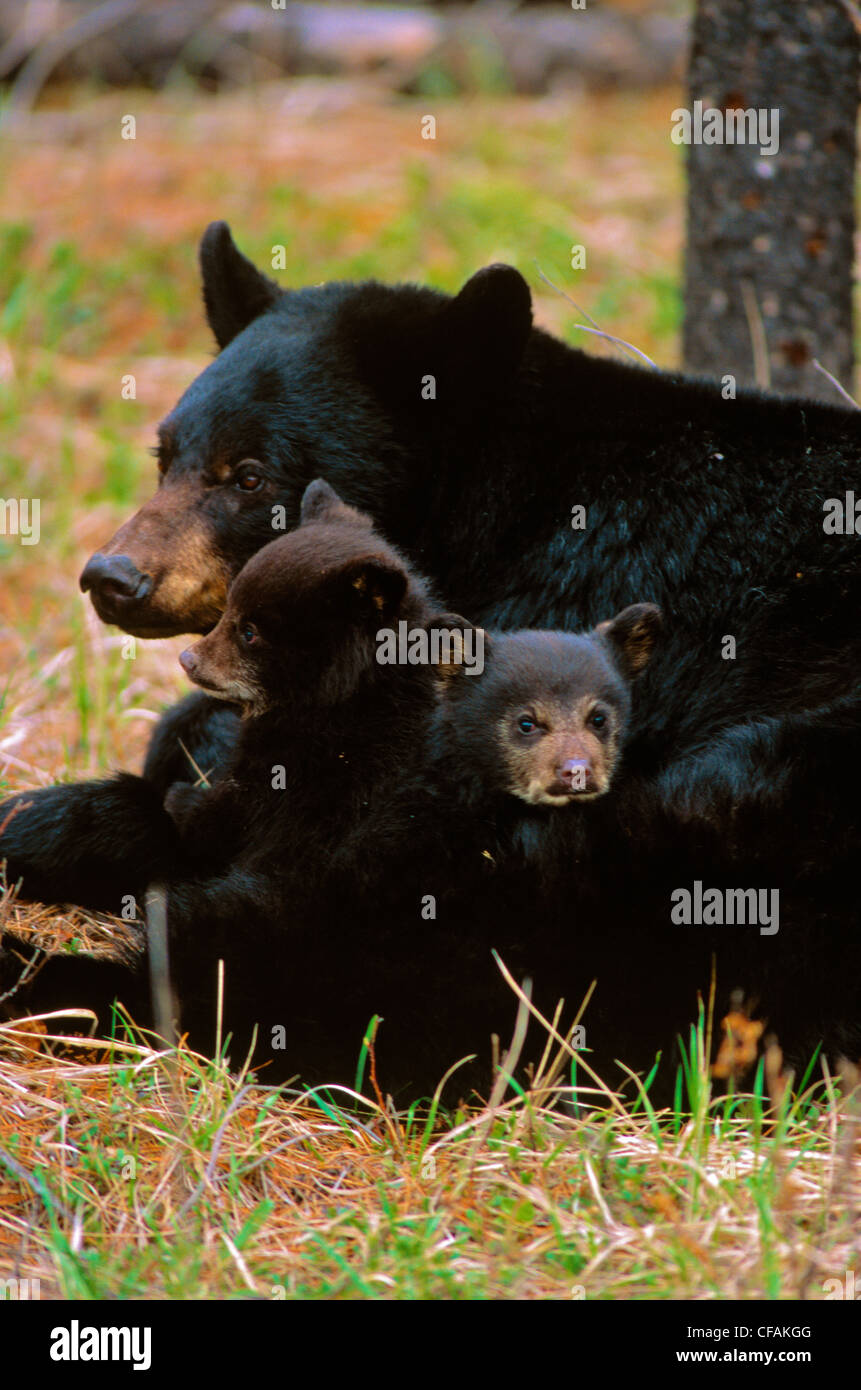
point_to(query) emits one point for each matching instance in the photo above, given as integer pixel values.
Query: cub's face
(558, 708)
(557, 749)
(229, 663)
(301, 617)
(546, 722)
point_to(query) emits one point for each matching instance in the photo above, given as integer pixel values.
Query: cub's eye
(597, 719)
(526, 724)
(248, 478)
(249, 634)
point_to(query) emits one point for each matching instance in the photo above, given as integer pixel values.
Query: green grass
(183, 1180)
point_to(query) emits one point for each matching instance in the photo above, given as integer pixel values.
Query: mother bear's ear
(489, 322)
(235, 292)
(320, 502)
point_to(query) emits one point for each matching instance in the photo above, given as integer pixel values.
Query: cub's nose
(188, 661)
(112, 577)
(576, 775)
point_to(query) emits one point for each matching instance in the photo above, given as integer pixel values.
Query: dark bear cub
(546, 720)
(327, 731)
(324, 723)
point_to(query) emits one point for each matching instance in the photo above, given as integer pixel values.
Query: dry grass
(161, 1175)
(132, 1170)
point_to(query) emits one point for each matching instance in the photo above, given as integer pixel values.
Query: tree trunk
(768, 273)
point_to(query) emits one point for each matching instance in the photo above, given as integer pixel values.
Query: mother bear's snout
(112, 580)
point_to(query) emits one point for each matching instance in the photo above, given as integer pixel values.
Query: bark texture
(768, 274)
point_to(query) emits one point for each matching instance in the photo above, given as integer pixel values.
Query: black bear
(596, 892)
(535, 486)
(329, 733)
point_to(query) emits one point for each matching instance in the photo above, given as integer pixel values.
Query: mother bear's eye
(248, 477)
(249, 634)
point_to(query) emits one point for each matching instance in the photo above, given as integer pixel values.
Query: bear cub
(324, 725)
(547, 719)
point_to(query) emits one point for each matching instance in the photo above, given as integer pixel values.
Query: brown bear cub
(299, 839)
(546, 720)
(324, 724)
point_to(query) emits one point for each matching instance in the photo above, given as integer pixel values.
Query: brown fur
(173, 542)
(303, 587)
(534, 767)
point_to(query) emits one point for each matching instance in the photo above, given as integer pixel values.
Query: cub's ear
(320, 502)
(457, 649)
(380, 585)
(235, 292)
(632, 635)
(489, 322)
